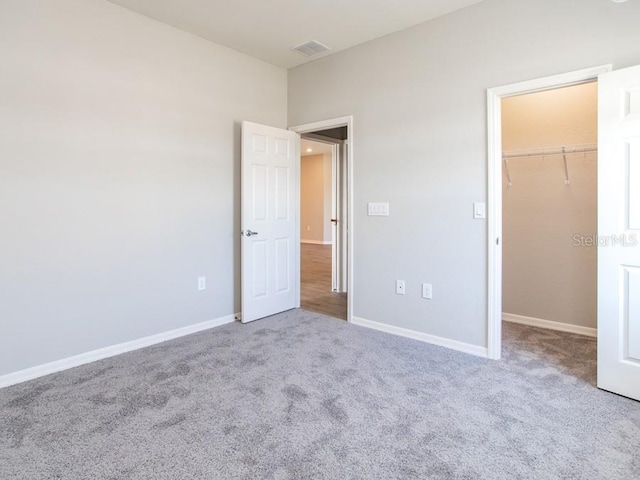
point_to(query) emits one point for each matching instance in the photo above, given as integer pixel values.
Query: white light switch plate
(479, 210)
(378, 209)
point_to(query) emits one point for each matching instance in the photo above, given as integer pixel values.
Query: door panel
(631, 305)
(633, 161)
(259, 268)
(283, 194)
(619, 232)
(270, 186)
(259, 186)
(283, 273)
(631, 101)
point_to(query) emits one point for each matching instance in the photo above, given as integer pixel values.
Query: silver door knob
(250, 233)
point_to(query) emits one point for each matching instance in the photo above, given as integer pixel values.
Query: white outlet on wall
(202, 283)
(400, 287)
(308, 228)
(427, 291)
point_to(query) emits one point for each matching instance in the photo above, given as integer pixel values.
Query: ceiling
(269, 29)
(317, 148)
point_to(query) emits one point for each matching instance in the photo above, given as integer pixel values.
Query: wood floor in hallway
(315, 285)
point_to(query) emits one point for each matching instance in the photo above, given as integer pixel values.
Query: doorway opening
(502, 165)
(326, 165)
(322, 285)
(549, 209)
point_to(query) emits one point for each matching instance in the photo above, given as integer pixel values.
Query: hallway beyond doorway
(315, 285)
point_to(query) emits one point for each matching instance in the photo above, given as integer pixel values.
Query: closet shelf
(547, 152)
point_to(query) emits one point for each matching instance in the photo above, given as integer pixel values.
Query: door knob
(250, 233)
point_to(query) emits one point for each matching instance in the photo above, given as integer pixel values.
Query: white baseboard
(423, 337)
(538, 322)
(106, 352)
(315, 242)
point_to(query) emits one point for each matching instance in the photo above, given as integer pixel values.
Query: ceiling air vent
(309, 49)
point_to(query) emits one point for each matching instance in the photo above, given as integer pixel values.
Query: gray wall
(546, 274)
(119, 175)
(419, 103)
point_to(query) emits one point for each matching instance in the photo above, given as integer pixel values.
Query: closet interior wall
(549, 225)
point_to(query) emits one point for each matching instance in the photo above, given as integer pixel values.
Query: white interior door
(343, 205)
(335, 218)
(270, 237)
(619, 232)
(339, 217)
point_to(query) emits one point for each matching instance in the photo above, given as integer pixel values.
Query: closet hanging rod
(547, 152)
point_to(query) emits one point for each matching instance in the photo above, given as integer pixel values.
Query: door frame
(346, 121)
(494, 186)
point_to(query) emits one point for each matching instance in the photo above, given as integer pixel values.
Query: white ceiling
(268, 29)
(317, 148)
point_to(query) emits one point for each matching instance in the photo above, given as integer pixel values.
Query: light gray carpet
(300, 396)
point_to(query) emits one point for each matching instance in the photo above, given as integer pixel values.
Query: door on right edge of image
(619, 232)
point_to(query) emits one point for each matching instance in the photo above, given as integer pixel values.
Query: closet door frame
(494, 187)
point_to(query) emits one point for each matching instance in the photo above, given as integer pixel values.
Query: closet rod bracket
(566, 168)
(506, 170)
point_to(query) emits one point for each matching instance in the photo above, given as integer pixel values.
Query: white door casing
(619, 232)
(348, 168)
(339, 214)
(345, 225)
(494, 187)
(270, 250)
(335, 218)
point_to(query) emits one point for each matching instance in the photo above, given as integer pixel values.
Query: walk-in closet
(550, 208)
